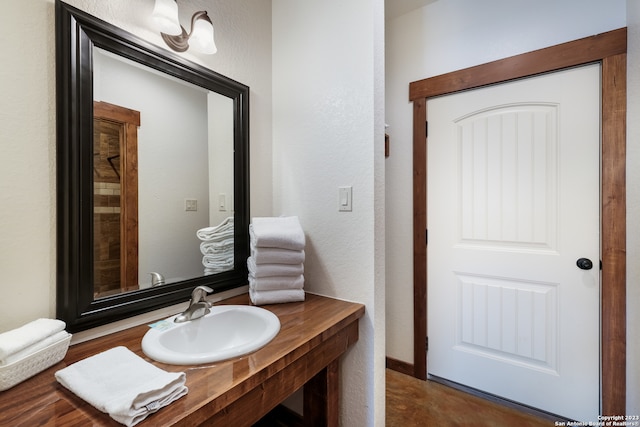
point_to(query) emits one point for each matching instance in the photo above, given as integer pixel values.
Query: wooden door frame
(129, 120)
(609, 49)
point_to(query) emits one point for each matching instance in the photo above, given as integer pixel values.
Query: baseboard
(400, 366)
(499, 400)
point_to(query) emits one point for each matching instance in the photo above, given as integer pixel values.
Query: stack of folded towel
(276, 264)
(30, 338)
(217, 247)
(122, 384)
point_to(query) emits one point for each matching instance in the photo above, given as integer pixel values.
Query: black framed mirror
(79, 36)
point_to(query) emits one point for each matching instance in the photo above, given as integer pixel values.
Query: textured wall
(328, 132)
(27, 175)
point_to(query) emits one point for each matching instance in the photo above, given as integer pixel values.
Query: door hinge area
(426, 129)
(426, 343)
(426, 237)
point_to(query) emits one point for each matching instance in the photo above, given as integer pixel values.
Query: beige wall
(27, 179)
(27, 127)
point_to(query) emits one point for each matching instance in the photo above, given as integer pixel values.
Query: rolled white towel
(18, 339)
(221, 260)
(276, 297)
(277, 256)
(277, 232)
(212, 247)
(224, 229)
(28, 351)
(267, 270)
(276, 283)
(122, 384)
(218, 236)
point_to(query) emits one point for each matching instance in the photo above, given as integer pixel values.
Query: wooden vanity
(238, 392)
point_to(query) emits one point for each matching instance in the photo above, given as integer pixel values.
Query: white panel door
(513, 203)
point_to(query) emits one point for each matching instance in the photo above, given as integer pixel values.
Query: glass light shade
(165, 13)
(201, 38)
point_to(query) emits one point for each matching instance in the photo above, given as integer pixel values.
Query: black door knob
(584, 264)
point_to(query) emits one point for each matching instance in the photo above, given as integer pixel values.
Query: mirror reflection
(167, 164)
(163, 178)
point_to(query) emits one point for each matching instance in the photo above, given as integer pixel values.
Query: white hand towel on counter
(277, 232)
(122, 384)
(277, 256)
(19, 339)
(273, 283)
(276, 297)
(266, 270)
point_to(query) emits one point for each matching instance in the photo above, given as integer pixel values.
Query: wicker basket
(18, 371)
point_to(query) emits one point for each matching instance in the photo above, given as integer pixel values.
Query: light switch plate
(345, 197)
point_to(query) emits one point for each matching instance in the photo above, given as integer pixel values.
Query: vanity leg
(322, 397)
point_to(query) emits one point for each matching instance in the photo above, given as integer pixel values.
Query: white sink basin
(228, 331)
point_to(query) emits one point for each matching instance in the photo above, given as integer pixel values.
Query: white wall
(221, 164)
(328, 131)
(448, 35)
(633, 207)
(27, 127)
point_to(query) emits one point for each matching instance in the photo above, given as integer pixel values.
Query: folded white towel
(211, 247)
(277, 256)
(122, 384)
(267, 270)
(276, 297)
(277, 232)
(274, 283)
(28, 351)
(222, 230)
(27, 335)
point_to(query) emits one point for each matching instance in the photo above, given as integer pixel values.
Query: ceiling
(395, 8)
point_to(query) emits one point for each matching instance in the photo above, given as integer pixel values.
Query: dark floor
(412, 402)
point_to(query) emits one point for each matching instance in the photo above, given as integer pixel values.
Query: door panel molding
(609, 49)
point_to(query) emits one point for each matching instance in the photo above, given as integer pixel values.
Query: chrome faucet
(198, 306)
(157, 279)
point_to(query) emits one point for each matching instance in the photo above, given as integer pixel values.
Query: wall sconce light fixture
(165, 13)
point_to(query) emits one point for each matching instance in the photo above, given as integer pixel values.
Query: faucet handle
(199, 293)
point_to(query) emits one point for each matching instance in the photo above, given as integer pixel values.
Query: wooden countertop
(313, 334)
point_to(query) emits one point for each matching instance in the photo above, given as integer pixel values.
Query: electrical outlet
(190, 205)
